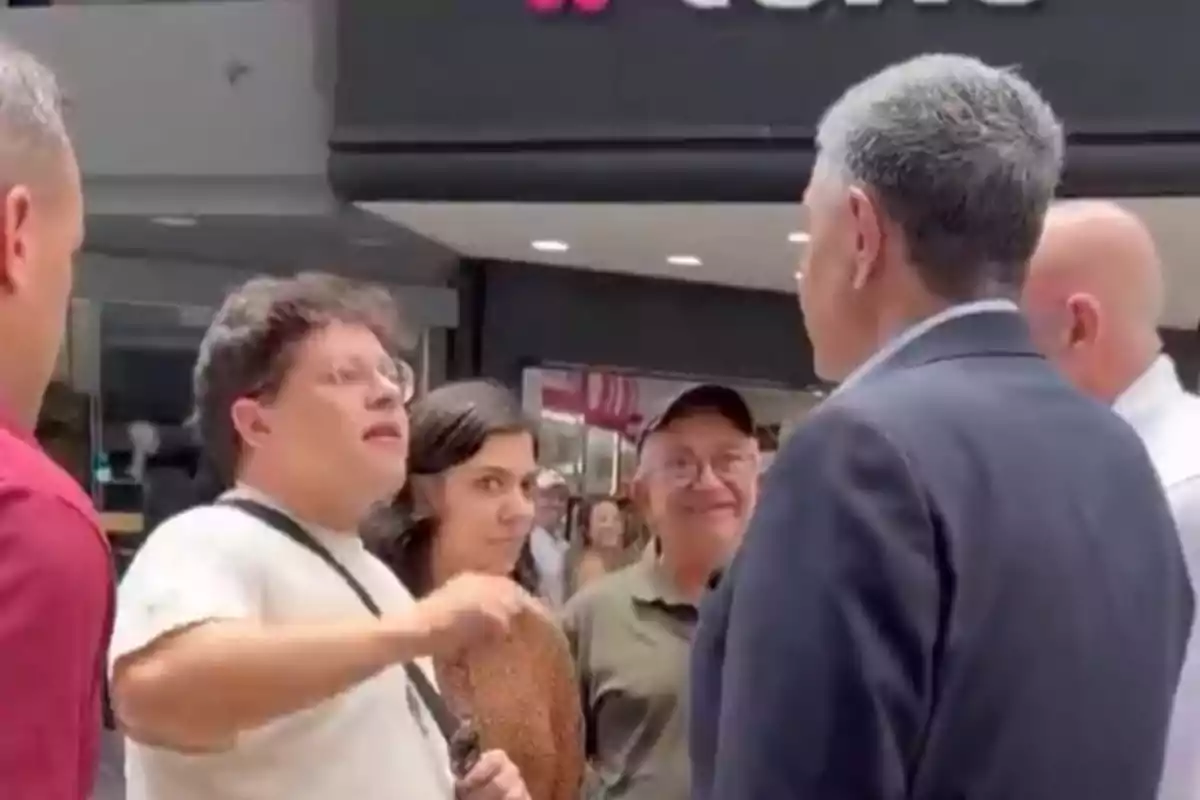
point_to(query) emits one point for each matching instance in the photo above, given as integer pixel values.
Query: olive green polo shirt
(631, 634)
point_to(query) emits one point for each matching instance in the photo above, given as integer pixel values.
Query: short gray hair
(31, 112)
(963, 156)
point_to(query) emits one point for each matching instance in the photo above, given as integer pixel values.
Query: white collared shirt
(914, 332)
(1167, 418)
(550, 555)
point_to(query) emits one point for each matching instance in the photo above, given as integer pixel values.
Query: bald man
(1094, 297)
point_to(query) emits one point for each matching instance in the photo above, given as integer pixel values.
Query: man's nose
(707, 478)
(386, 394)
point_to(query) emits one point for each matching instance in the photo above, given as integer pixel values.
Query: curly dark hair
(449, 425)
(248, 348)
(585, 517)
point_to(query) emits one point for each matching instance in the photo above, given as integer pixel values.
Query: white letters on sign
(804, 5)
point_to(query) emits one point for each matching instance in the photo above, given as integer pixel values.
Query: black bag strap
(460, 735)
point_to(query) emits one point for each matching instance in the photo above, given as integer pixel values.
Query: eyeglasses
(405, 380)
(683, 469)
(399, 373)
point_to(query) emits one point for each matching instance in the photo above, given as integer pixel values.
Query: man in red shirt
(55, 573)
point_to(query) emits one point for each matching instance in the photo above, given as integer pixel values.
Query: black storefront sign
(664, 100)
(528, 315)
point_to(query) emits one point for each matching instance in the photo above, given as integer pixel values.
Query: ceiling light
(684, 261)
(195, 316)
(175, 222)
(551, 246)
(798, 237)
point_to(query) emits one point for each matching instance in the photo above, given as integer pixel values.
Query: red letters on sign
(554, 6)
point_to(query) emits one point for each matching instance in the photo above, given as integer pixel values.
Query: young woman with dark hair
(604, 541)
(468, 507)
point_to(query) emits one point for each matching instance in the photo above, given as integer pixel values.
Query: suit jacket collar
(919, 329)
(984, 334)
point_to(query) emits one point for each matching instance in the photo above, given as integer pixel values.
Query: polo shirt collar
(652, 584)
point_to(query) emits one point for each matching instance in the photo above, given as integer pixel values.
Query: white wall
(131, 280)
(186, 89)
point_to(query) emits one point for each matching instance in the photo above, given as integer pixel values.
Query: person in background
(245, 666)
(55, 570)
(548, 541)
(631, 631)
(469, 507)
(1094, 298)
(962, 579)
(603, 545)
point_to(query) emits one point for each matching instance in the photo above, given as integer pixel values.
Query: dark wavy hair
(585, 518)
(449, 425)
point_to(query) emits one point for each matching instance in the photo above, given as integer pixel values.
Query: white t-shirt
(373, 742)
(549, 555)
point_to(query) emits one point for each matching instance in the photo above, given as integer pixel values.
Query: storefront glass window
(588, 419)
(64, 425)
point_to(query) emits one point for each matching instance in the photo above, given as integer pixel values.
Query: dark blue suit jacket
(962, 582)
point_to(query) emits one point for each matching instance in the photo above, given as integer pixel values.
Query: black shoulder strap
(448, 723)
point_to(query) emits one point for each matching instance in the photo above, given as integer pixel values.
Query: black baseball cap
(714, 397)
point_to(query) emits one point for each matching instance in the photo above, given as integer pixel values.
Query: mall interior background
(225, 139)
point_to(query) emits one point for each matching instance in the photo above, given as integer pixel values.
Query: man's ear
(869, 235)
(251, 420)
(639, 497)
(1085, 320)
(14, 234)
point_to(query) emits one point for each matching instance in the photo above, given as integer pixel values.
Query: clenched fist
(473, 608)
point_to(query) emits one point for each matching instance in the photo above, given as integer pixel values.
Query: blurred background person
(469, 507)
(603, 544)
(631, 631)
(1094, 297)
(548, 541)
(55, 574)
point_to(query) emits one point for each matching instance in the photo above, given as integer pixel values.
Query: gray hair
(31, 112)
(963, 156)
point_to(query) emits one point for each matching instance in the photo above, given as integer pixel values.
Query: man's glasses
(683, 469)
(399, 373)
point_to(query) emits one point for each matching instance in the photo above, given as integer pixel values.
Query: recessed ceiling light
(684, 261)
(798, 237)
(551, 246)
(195, 316)
(175, 222)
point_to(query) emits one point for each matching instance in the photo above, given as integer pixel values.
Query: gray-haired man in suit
(962, 579)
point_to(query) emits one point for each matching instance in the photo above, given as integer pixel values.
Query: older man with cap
(962, 579)
(1094, 297)
(695, 487)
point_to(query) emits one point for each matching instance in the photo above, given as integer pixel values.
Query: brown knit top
(522, 694)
